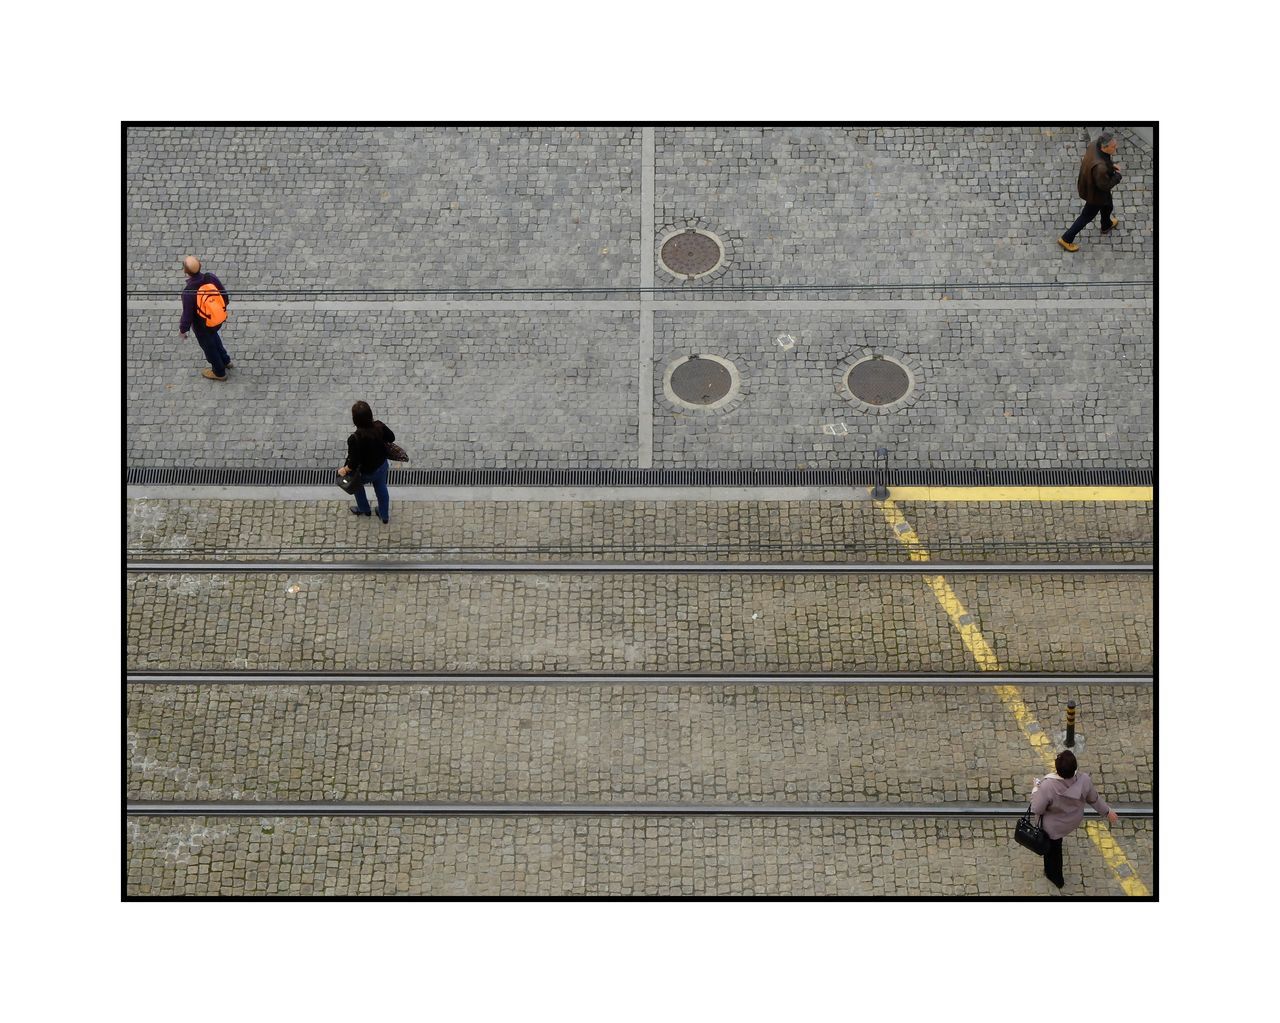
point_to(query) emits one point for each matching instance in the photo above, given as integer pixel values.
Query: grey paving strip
(268, 808)
(600, 856)
(932, 567)
(663, 304)
(598, 678)
(644, 376)
(532, 495)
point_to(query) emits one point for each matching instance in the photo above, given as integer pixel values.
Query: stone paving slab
(608, 856)
(640, 530)
(320, 207)
(626, 622)
(993, 388)
(586, 744)
(807, 205)
(476, 390)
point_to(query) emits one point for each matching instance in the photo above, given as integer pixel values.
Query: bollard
(1071, 723)
(880, 491)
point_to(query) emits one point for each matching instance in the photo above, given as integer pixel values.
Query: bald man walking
(209, 337)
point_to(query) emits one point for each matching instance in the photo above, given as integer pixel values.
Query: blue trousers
(379, 480)
(1090, 211)
(211, 344)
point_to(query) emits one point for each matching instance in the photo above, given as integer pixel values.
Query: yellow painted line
(1011, 696)
(1022, 494)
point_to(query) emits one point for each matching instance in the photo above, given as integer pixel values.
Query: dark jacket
(1098, 175)
(189, 315)
(1062, 802)
(367, 453)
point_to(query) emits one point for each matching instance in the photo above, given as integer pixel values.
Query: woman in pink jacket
(1061, 797)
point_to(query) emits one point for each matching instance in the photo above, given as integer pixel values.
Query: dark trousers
(211, 344)
(1053, 862)
(379, 480)
(1090, 211)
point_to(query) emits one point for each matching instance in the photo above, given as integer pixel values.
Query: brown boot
(1069, 246)
(209, 374)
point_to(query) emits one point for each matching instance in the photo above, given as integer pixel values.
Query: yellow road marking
(1011, 696)
(1022, 493)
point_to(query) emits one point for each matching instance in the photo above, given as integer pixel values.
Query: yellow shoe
(1069, 246)
(209, 374)
(1115, 221)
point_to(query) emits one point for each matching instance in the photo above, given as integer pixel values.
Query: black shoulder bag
(1031, 835)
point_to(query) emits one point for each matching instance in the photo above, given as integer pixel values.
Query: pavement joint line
(646, 299)
(644, 371)
(530, 495)
(1010, 696)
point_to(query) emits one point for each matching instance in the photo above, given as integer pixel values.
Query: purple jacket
(189, 299)
(1062, 801)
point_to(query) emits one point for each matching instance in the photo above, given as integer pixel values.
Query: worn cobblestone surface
(607, 856)
(642, 530)
(529, 389)
(1011, 388)
(384, 207)
(628, 622)
(810, 205)
(887, 744)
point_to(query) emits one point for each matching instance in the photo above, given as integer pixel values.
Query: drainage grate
(904, 477)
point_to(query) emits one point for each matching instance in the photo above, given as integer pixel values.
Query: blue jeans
(211, 344)
(1090, 211)
(379, 480)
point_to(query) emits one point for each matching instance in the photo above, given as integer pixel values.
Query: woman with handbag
(367, 460)
(1061, 797)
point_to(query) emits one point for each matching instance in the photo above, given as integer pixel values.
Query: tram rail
(247, 677)
(268, 808)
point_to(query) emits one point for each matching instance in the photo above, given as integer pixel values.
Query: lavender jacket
(1062, 801)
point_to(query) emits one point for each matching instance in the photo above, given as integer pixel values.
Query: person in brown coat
(1061, 797)
(1098, 175)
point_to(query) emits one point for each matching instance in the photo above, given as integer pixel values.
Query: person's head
(1065, 764)
(362, 415)
(191, 265)
(1107, 143)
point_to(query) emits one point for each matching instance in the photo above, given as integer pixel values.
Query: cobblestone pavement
(480, 390)
(385, 207)
(1039, 385)
(994, 387)
(641, 530)
(887, 744)
(607, 856)
(629, 622)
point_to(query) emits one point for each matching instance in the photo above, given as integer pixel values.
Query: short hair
(1105, 139)
(1065, 764)
(362, 415)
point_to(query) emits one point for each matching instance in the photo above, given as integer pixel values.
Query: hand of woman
(1113, 817)
(343, 470)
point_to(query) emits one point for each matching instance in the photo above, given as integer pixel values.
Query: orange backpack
(210, 305)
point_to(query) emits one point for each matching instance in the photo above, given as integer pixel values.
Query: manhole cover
(691, 253)
(701, 381)
(878, 381)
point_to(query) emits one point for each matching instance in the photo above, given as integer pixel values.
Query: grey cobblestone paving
(812, 205)
(603, 856)
(478, 390)
(384, 207)
(999, 388)
(628, 622)
(642, 530)
(887, 744)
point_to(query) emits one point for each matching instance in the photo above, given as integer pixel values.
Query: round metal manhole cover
(701, 381)
(878, 381)
(692, 253)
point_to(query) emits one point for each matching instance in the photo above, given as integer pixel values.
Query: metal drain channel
(626, 477)
(250, 808)
(209, 677)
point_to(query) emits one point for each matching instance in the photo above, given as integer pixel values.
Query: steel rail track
(211, 677)
(252, 808)
(643, 567)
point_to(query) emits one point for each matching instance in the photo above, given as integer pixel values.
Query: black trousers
(1090, 211)
(1053, 862)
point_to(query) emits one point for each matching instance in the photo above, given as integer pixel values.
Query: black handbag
(350, 481)
(1030, 835)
